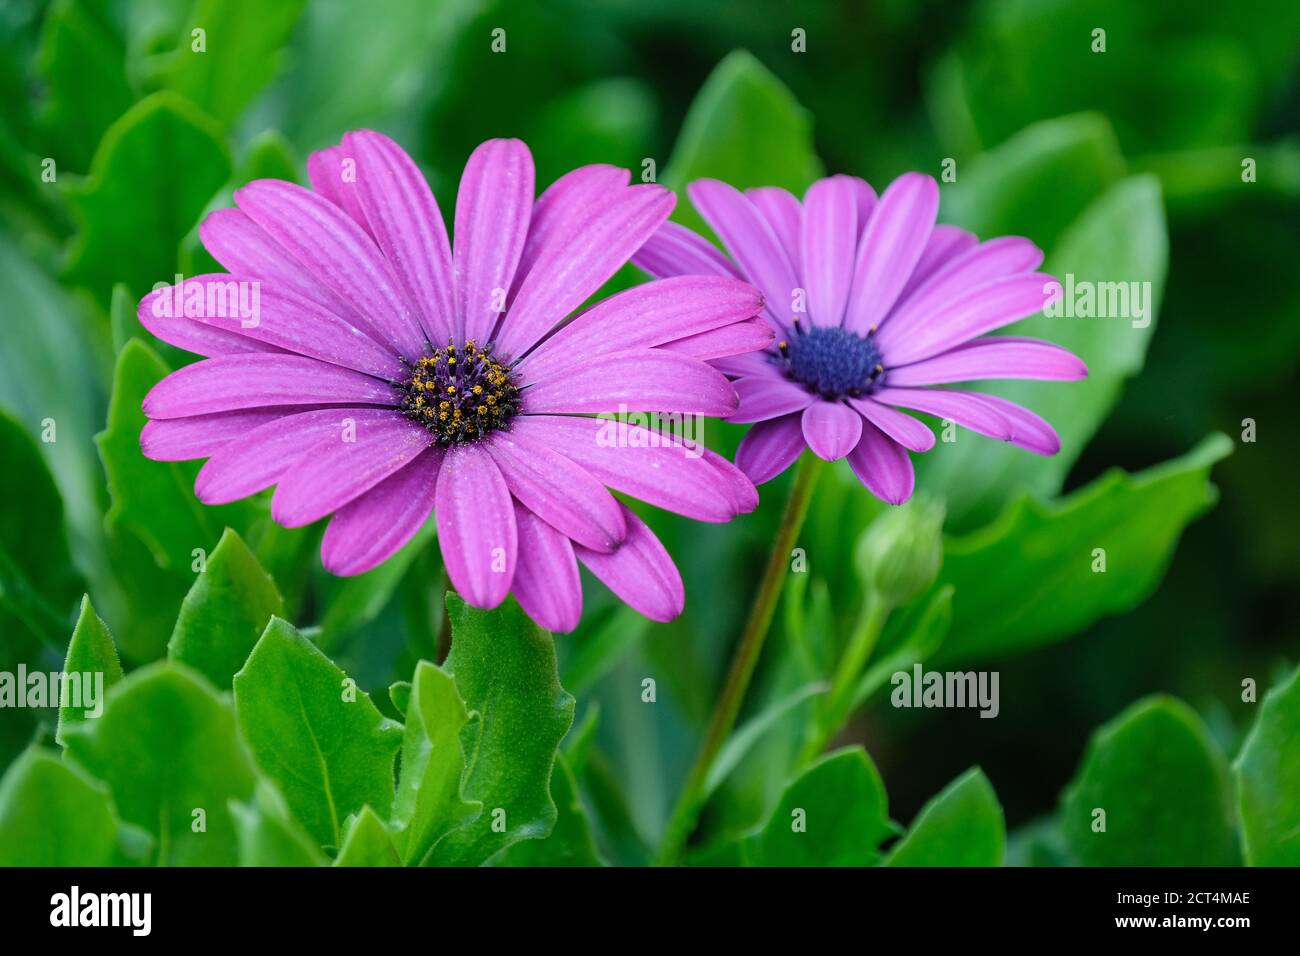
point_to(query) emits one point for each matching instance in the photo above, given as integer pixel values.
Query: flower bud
(899, 553)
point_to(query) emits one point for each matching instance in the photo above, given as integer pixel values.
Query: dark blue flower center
(833, 362)
(460, 393)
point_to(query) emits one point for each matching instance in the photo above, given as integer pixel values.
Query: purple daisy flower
(891, 305)
(382, 373)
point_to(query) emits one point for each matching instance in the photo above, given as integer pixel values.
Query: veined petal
(770, 447)
(996, 259)
(554, 212)
(750, 240)
(476, 525)
(255, 460)
(158, 312)
(965, 408)
(990, 358)
(831, 429)
(982, 309)
(546, 581)
(339, 253)
(675, 250)
(828, 244)
(183, 439)
(255, 380)
(374, 526)
(639, 571)
(333, 180)
(945, 244)
(493, 209)
(646, 315)
(340, 467)
(735, 339)
(578, 260)
(633, 380)
(883, 466)
(784, 214)
(895, 237)
(768, 396)
(1028, 430)
(649, 465)
(557, 489)
(408, 227)
(909, 432)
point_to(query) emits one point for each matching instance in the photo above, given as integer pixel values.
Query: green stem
(839, 700)
(686, 813)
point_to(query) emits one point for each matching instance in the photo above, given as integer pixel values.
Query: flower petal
(982, 309)
(768, 396)
(827, 247)
(476, 526)
(996, 259)
(374, 526)
(546, 582)
(909, 432)
(735, 339)
(645, 316)
(864, 197)
(883, 465)
(993, 357)
(493, 208)
(633, 380)
(257, 459)
(182, 439)
(274, 319)
(944, 244)
(770, 447)
(650, 465)
(784, 214)
(579, 259)
(337, 470)
(1028, 430)
(329, 176)
(894, 239)
(640, 572)
(750, 240)
(339, 253)
(965, 408)
(832, 429)
(557, 207)
(557, 489)
(244, 248)
(163, 315)
(259, 379)
(677, 251)
(408, 227)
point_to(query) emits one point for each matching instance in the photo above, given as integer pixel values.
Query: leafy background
(1120, 690)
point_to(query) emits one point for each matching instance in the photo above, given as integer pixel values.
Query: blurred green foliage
(1123, 154)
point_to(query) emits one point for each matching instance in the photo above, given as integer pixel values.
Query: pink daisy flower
(384, 373)
(873, 305)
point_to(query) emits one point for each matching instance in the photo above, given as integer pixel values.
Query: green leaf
(317, 736)
(429, 803)
(169, 751)
(1163, 786)
(1267, 773)
(1038, 182)
(835, 813)
(504, 667)
(83, 63)
(225, 612)
(368, 843)
(90, 652)
(571, 842)
(744, 128)
(1121, 237)
(155, 500)
(53, 814)
(241, 53)
(925, 628)
(744, 737)
(122, 322)
(152, 176)
(592, 656)
(962, 826)
(37, 581)
(268, 835)
(1043, 551)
